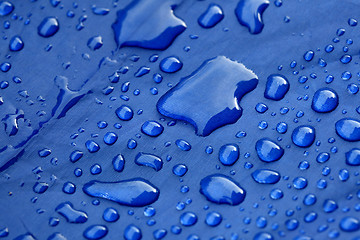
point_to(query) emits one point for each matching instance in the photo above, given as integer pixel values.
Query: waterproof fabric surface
(67, 67)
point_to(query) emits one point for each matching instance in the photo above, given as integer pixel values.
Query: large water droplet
(212, 16)
(145, 24)
(217, 101)
(136, 192)
(170, 64)
(349, 224)
(70, 214)
(188, 219)
(229, 154)
(48, 27)
(16, 44)
(303, 136)
(149, 160)
(132, 232)
(268, 151)
(266, 176)
(125, 113)
(152, 128)
(221, 189)
(6, 8)
(348, 129)
(276, 87)
(353, 157)
(249, 13)
(95, 232)
(325, 100)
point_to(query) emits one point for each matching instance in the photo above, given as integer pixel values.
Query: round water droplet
(92, 146)
(309, 55)
(353, 157)
(69, 188)
(213, 219)
(268, 151)
(325, 100)
(303, 136)
(152, 128)
(348, 129)
(16, 44)
(276, 87)
(349, 224)
(229, 154)
(48, 27)
(110, 138)
(329, 206)
(125, 113)
(188, 219)
(6, 8)
(171, 64)
(180, 170)
(132, 232)
(300, 183)
(111, 215)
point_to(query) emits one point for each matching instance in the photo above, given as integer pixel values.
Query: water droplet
(111, 215)
(94, 43)
(70, 214)
(309, 55)
(92, 146)
(149, 160)
(134, 192)
(263, 236)
(348, 129)
(76, 155)
(229, 154)
(48, 27)
(209, 114)
(180, 170)
(353, 157)
(132, 232)
(300, 183)
(170, 64)
(329, 206)
(188, 219)
(147, 25)
(303, 136)
(152, 128)
(110, 138)
(118, 163)
(69, 188)
(325, 100)
(249, 14)
(276, 87)
(40, 187)
(212, 16)
(95, 232)
(6, 8)
(268, 151)
(213, 219)
(349, 224)
(125, 113)
(221, 189)
(183, 145)
(266, 176)
(16, 44)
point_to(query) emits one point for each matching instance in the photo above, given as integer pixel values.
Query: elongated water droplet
(136, 192)
(149, 160)
(70, 214)
(221, 189)
(249, 14)
(48, 27)
(95, 232)
(212, 16)
(266, 176)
